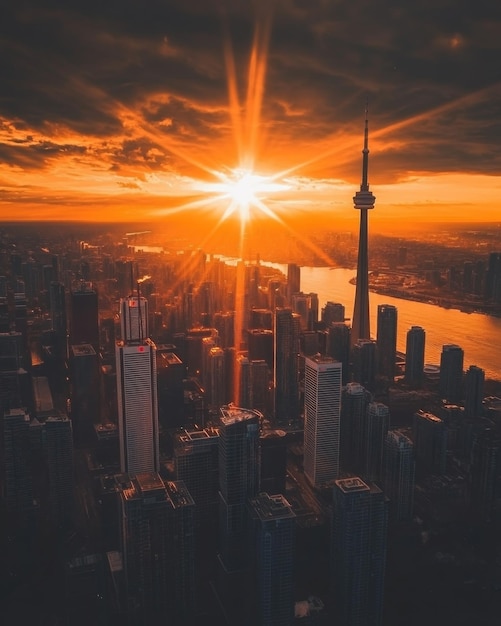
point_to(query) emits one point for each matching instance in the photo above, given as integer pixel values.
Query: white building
(322, 418)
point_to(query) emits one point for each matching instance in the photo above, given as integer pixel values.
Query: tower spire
(363, 200)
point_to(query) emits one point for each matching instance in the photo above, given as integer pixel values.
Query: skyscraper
(273, 538)
(399, 475)
(59, 450)
(134, 318)
(358, 551)
(451, 373)
(430, 444)
(386, 340)
(364, 354)
(286, 350)
(414, 357)
(322, 415)
(473, 391)
(354, 402)
(377, 425)
(363, 201)
(137, 406)
(158, 548)
(84, 320)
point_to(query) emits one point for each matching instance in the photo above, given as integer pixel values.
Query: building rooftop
(232, 414)
(272, 507)
(351, 485)
(83, 349)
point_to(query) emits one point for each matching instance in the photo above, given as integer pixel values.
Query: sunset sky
(128, 110)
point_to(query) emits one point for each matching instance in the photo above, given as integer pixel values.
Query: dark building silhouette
(414, 357)
(158, 549)
(332, 312)
(399, 475)
(484, 479)
(272, 544)
(386, 340)
(430, 444)
(473, 391)
(59, 454)
(339, 346)
(451, 373)
(293, 281)
(358, 552)
(377, 425)
(363, 201)
(354, 402)
(84, 320)
(364, 357)
(238, 481)
(273, 461)
(286, 350)
(260, 345)
(85, 393)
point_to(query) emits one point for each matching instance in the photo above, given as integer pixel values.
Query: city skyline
(192, 109)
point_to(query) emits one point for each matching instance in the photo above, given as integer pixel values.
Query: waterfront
(479, 335)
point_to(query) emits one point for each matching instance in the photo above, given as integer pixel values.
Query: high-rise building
(377, 425)
(484, 474)
(358, 552)
(17, 478)
(451, 373)
(339, 346)
(473, 391)
(399, 475)
(386, 340)
(354, 402)
(414, 357)
(57, 297)
(273, 541)
(254, 378)
(170, 373)
(430, 444)
(59, 451)
(333, 312)
(260, 345)
(273, 461)
(215, 380)
(363, 201)
(293, 281)
(137, 406)
(322, 419)
(238, 481)
(134, 318)
(286, 350)
(84, 320)
(158, 549)
(85, 393)
(364, 355)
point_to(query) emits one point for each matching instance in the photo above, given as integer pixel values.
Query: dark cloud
(85, 66)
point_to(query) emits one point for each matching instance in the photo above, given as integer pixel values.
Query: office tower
(451, 373)
(399, 475)
(484, 474)
(57, 295)
(133, 318)
(354, 402)
(170, 376)
(59, 452)
(196, 464)
(238, 480)
(286, 350)
(215, 382)
(301, 306)
(430, 444)
(364, 354)
(13, 371)
(17, 479)
(322, 415)
(493, 278)
(273, 461)
(84, 320)
(358, 552)
(386, 340)
(272, 548)
(137, 406)
(339, 346)
(253, 387)
(332, 312)
(260, 345)
(473, 391)
(363, 201)
(85, 393)
(158, 549)
(261, 318)
(224, 323)
(377, 425)
(414, 357)
(293, 281)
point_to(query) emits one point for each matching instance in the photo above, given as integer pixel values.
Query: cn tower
(363, 200)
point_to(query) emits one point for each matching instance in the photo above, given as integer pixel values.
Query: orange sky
(122, 123)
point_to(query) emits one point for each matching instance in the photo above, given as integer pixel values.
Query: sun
(245, 191)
